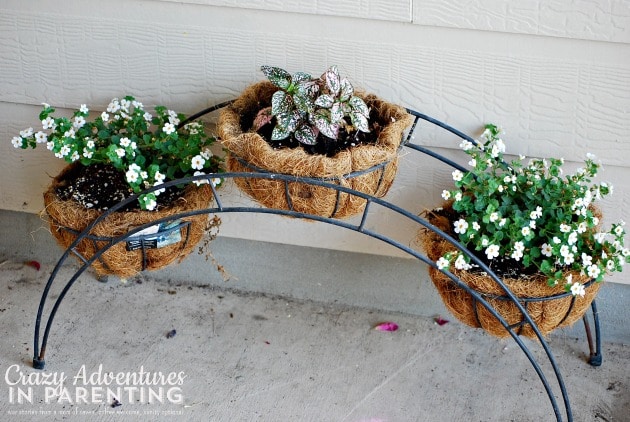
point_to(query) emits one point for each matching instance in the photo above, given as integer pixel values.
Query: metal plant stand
(555, 390)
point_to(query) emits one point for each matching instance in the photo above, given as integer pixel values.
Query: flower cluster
(533, 214)
(149, 149)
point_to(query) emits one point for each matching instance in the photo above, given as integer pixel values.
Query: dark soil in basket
(100, 187)
(503, 267)
(325, 145)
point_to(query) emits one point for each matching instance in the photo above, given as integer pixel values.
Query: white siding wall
(555, 74)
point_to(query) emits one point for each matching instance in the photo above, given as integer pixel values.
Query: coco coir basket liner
(67, 218)
(376, 165)
(545, 310)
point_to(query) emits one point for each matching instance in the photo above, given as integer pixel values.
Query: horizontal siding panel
(600, 20)
(389, 10)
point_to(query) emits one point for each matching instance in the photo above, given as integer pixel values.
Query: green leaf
(306, 135)
(359, 121)
(277, 76)
(280, 103)
(279, 133)
(333, 82)
(325, 101)
(299, 77)
(303, 103)
(359, 106)
(346, 90)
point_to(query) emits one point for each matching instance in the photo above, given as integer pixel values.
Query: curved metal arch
(39, 354)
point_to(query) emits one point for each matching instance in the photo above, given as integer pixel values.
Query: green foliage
(305, 106)
(533, 214)
(148, 148)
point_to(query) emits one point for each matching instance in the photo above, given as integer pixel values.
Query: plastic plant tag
(157, 236)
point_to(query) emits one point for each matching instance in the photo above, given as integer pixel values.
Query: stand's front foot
(38, 363)
(595, 352)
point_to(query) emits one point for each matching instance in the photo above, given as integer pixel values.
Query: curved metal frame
(595, 351)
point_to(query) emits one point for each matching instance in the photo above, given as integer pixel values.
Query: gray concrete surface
(286, 339)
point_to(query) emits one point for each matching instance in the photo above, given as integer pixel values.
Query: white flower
(48, 123)
(569, 259)
(593, 271)
(168, 128)
(114, 106)
(595, 221)
(90, 143)
(75, 156)
(517, 255)
(84, 108)
(87, 153)
(17, 142)
(147, 116)
(461, 226)
(610, 265)
(526, 231)
(216, 181)
(134, 167)
(556, 240)
(466, 145)
(26, 132)
(65, 150)
(457, 175)
(197, 162)
(537, 213)
(586, 260)
(105, 116)
(159, 177)
(125, 142)
(590, 156)
(494, 217)
(458, 196)
(582, 227)
(120, 152)
(565, 228)
(124, 105)
(472, 163)
(69, 133)
(564, 250)
(442, 263)
(546, 250)
(150, 204)
(618, 230)
(572, 238)
(502, 222)
(475, 226)
(159, 191)
(446, 195)
(50, 145)
(172, 117)
(132, 176)
(41, 137)
(461, 264)
(577, 289)
(532, 224)
(137, 104)
(144, 175)
(492, 251)
(201, 181)
(485, 242)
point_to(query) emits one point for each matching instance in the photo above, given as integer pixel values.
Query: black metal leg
(595, 352)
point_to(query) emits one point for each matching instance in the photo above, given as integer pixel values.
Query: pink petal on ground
(33, 264)
(386, 326)
(440, 321)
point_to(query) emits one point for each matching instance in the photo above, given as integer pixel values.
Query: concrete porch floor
(244, 355)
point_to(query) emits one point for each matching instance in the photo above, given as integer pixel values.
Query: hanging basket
(370, 169)
(150, 251)
(548, 307)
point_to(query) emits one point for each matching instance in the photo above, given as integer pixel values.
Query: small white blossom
(90, 143)
(475, 226)
(168, 128)
(41, 137)
(494, 217)
(216, 181)
(65, 150)
(197, 162)
(461, 264)
(458, 196)
(564, 228)
(577, 289)
(466, 145)
(120, 152)
(461, 226)
(593, 271)
(125, 142)
(199, 182)
(50, 145)
(526, 231)
(546, 250)
(569, 259)
(105, 116)
(75, 156)
(147, 116)
(586, 260)
(150, 204)
(84, 108)
(572, 238)
(502, 222)
(457, 175)
(492, 251)
(159, 177)
(48, 123)
(26, 133)
(87, 153)
(17, 142)
(446, 195)
(442, 263)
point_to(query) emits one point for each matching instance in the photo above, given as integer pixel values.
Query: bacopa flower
(120, 152)
(442, 263)
(445, 194)
(578, 289)
(48, 123)
(17, 142)
(197, 162)
(457, 175)
(168, 128)
(461, 264)
(461, 226)
(492, 251)
(546, 250)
